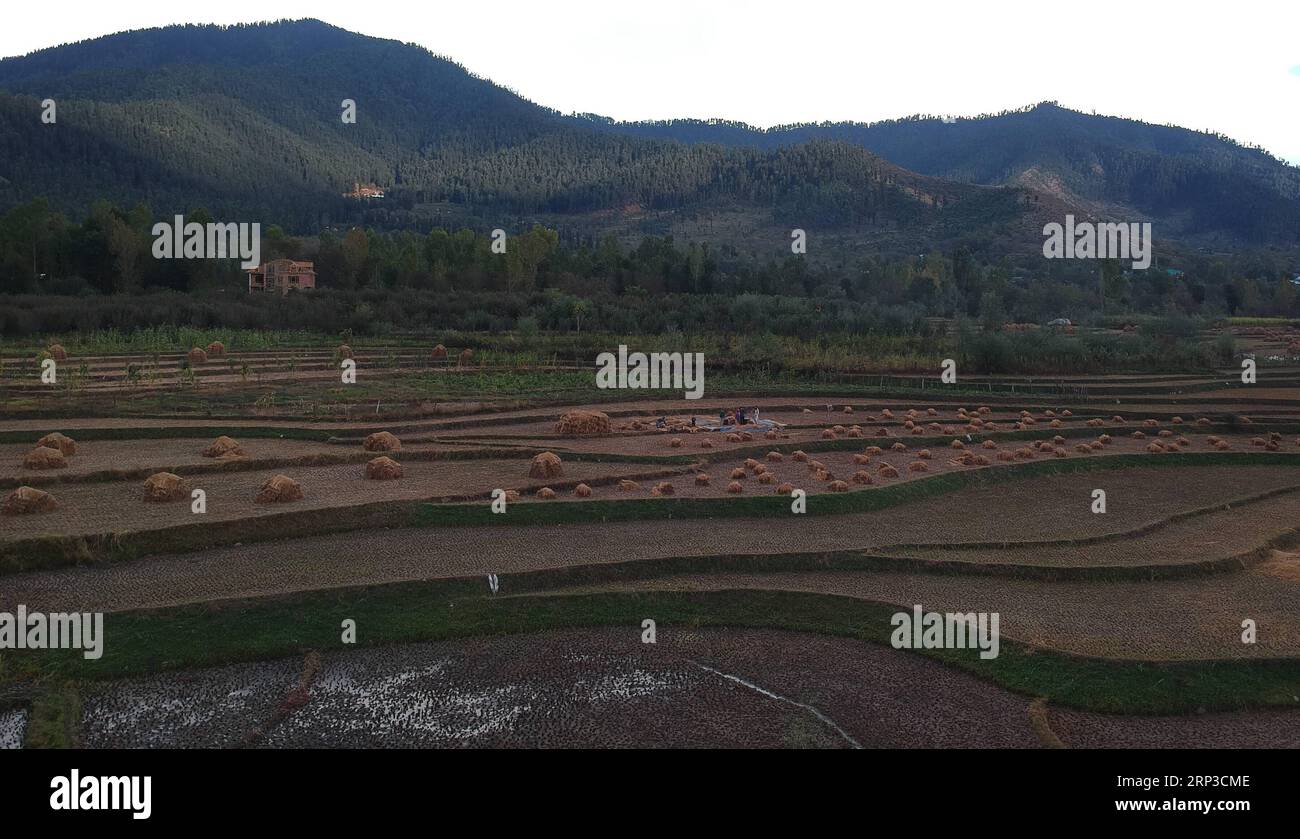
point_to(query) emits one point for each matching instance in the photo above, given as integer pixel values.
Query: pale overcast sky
(1228, 67)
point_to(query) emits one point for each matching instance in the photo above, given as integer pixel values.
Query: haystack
(924, 454)
(663, 488)
(861, 459)
(466, 356)
(279, 490)
(918, 466)
(382, 441)
(44, 458)
(383, 469)
(767, 478)
(799, 456)
(343, 351)
(628, 486)
(57, 352)
(675, 443)
(828, 434)
(574, 423)
(63, 443)
(197, 356)
(706, 444)
(440, 353)
(838, 486)
(898, 447)
(223, 446)
(25, 500)
(737, 474)
(775, 457)
(162, 487)
(702, 480)
(546, 493)
(734, 488)
(512, 495)
(988, 444)
(785, 489)
(887, 471)
(582, 491)
(216, 349)
(861, 477)
(546, 465)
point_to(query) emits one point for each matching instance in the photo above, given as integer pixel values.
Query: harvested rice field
(517, 620)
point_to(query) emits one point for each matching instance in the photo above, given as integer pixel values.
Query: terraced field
(224, 627)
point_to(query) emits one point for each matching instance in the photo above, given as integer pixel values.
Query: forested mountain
(1194, 182)
(245, 122)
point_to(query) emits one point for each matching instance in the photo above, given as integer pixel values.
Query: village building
(282, 275)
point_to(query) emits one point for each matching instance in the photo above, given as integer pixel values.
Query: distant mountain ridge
(244, 121)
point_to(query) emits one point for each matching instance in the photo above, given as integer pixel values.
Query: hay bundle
(663, 488)
(197, 356)
(887, 471)
(898, 447)
(628, 486)
(26, 500)
(42, 457)
(862, 477)
(706, 444)
(918, 430)
(162, 487)
(924, 454)
(767, 478)
(1155, 448)
(824, 475)
(578, 422)
(1049, 413)
(512, 495)
(1007, 454)
(66, 445)
(816, 466)
(735, 438)
(1044, 446)
(1083, 448)
(1212, 440)
(702, 480)
(775, 457)
(1272, 445)
(1150, 423)
(882, 432)
(838, 486)
(828, 434)
(985, 409)
(440, 353)
(1165, 432)
(918, 466)
(1093, 423)
(746, 437)
(582, 491)
(848, 409)
(799, 456)
(279, 490)
(1059, 452)
(988, 444)
(861, 459)
(1177, 420)
(383, 469)
(980, 460)
(753, 465)
(546, 493)
(1222, 445)
(1257, 441)
(737, 474)
(771, 435)
(1104, 439)
(223, 446)
(1245, 420)
(873, 450)
(855, 431)
(343, 351)
(785, 489)
(1025, 453)
(956, 444)
(1067, 413)
(887, 414)
(382, 441)
(1096, 445)
(546, 465)
(1138, 435)
(1056, 423)
(675, 443)
(1117, 419)
(1202, 421)
(735, 488)
(466, 356)
(216, 349)
(57, 352)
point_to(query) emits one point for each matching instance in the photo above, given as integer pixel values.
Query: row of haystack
(51, 452)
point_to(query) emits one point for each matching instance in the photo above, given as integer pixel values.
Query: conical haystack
(25, 500)
(216, 349)
(279, 490)
(383, 469)
(343, 351)
(57, 352)
(164, 486)
(197, 356)
(440, 353)
(62, 442)
(382, 441)
(223, 446)
(573, 423)
(546, 465)
(44, 458)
